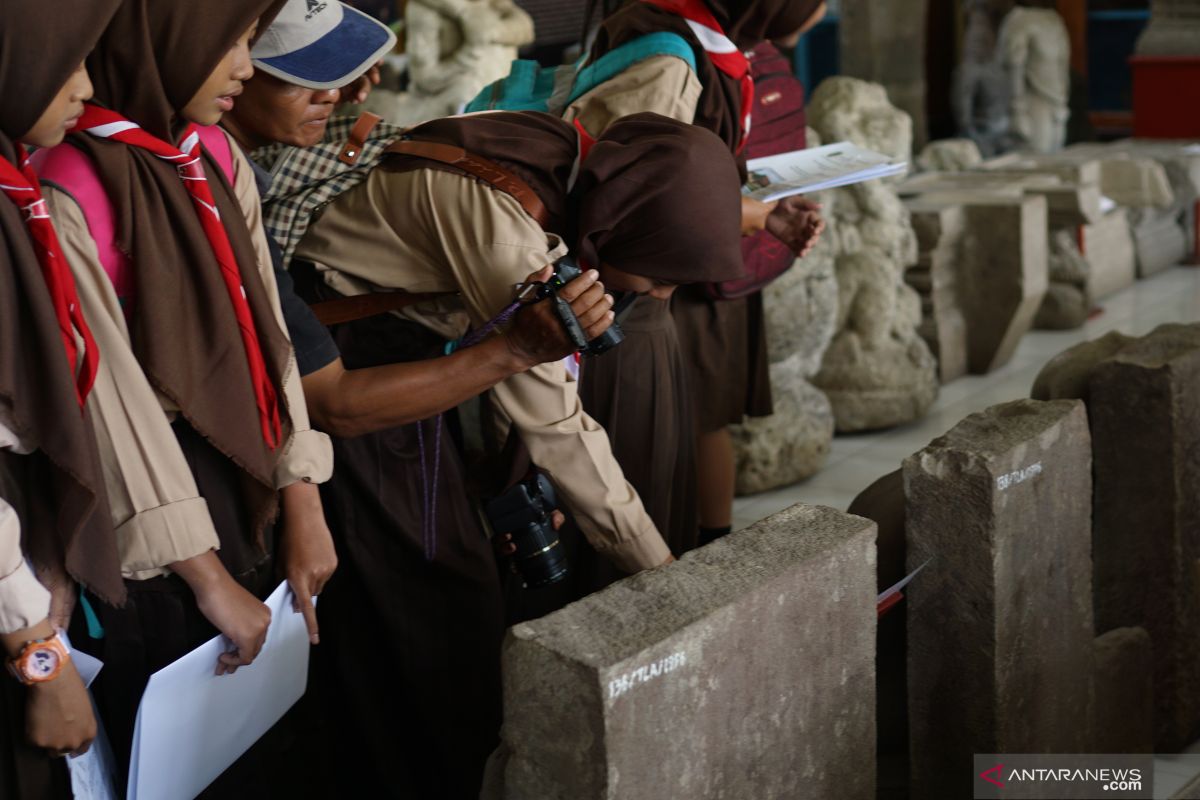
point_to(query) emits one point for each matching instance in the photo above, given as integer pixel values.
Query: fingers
(310, 616)
(590, 315)
(558, 519)
(584, 283)
(599, 326)
(83, 748)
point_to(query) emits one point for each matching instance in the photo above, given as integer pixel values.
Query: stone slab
(1146, 432)
(939, 230)
(1124, 692)
(1108, 247)
(745, 670)
(1000, 625)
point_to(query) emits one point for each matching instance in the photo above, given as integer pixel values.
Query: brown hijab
(153, 58)
(654, 197)
(746, 22)
(68, 521)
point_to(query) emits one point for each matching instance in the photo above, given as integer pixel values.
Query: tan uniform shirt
(434, 231)
(23, 601)
(663, 85)
(157, 510)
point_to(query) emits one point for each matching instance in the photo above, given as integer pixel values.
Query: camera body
(525, 512)
(566, 269)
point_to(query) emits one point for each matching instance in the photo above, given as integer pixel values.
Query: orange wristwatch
(40, 661)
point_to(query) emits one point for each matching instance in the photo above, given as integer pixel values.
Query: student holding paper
(200, 416)
(48, 360)
(723, 341)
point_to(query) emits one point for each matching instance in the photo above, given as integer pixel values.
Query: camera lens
(539, 558)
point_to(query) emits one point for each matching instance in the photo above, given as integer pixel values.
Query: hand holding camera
(538, 334)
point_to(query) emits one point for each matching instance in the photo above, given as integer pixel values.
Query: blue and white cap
(321, 44)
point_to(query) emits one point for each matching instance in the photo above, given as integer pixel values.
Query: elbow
(336, 419)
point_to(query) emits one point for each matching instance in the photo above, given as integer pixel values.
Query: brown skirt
(639, 393)
(408, 668)
(724, 345)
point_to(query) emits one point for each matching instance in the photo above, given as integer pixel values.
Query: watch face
(41, 664)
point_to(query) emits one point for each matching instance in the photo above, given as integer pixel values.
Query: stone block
(939, 230)
(1124, 692)
(1108, 248)
(1000, 624)
(746, 669)
(1002, 277)
(1159, 240)
(1135, 182)
(1146, 434)
(1067, 375)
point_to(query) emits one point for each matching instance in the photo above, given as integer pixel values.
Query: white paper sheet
(92, 772)
(193, 724)
(806, 171)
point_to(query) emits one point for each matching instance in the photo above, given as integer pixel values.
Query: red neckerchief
(721, 50)
(22, 187)
(105, 124)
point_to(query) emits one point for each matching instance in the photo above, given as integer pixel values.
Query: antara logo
(314, 7)
(994, 770)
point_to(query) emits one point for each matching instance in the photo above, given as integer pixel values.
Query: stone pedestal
(1000, 623)
(1174, 29)
(744, 670)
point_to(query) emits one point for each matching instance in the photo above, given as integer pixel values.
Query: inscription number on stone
(620, 685)
(1019, 476)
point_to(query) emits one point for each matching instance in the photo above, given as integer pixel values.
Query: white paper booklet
(91, 773)
(193, 724)
(805, 171)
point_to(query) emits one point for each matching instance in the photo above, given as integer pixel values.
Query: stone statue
(455, 48)
(980, 91)
(1035, 49)
(877, 371)
(801, 308)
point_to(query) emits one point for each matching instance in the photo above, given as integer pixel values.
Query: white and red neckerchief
(105, 124)
(721, 50)
(21, 186)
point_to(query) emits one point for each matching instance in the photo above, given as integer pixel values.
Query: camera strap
(479, 167)
(351, 309)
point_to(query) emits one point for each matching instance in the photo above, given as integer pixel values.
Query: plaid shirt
(306, 179)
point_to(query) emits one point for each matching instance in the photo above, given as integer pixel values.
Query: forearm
(13, 642)
(350, 403)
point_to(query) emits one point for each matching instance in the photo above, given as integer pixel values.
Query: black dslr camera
(525, 512)
(565, 271)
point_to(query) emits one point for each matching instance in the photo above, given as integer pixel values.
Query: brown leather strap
(352, 149)
(351, 309)
(487, 171)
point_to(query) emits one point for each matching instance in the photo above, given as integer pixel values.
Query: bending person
(420, 226)
(723, 341)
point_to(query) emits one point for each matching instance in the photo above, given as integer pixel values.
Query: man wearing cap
(417, 584)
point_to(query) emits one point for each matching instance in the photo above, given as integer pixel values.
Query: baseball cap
(321, 44)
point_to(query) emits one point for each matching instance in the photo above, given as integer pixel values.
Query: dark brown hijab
(654, 197)
(68, 521)
(746, 22)
(154, 57)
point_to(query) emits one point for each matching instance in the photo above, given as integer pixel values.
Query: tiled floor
(858, 460)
